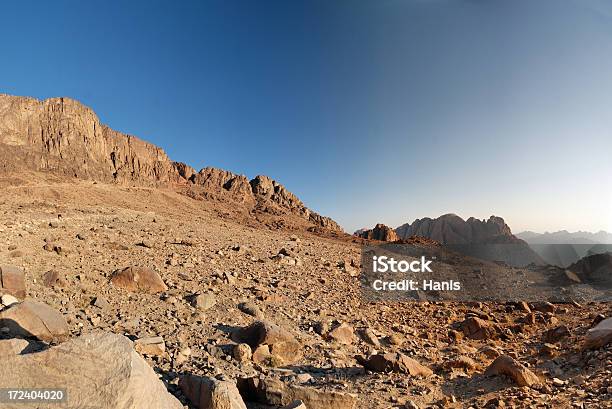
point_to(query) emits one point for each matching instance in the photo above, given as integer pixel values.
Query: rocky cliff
(379, 232)
(65, 138)
(489, 239)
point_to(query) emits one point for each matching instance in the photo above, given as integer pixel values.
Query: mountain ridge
(62, 136)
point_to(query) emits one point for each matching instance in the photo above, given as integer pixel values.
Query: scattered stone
(211, 393)
(394, 362)
(204, 301)
(506, 365)
(140, 279)
(544, 307)
(477, 328)
(342, 334)
(282, 344)
(153, 346)
(489, 351)
(12, 281)
(53, 279)
(242, 352)
(13, 346)
(368, 336)
(274, 392)
(100, 303)
(251, 309)
(600, 335)
(32, 319)
(8, 300)
(556, 334)
(100, 370)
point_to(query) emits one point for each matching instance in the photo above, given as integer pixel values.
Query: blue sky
(370, 111)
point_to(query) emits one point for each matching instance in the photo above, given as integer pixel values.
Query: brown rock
(395, 362)
(271, 391)
(242, 352)
(506, 365)
(153, 346)
(600, 335)
(53, 279)
(380, 232)
(477, 328)
(34, 319)
(140, 279)
(556, 334)
(281, 343)
(342, 334)
(12, 281)
(211, 393)
(13, 346)
(98, 370)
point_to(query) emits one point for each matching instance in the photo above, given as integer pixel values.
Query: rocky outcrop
(379, 232)
(489, 239)
(594, 269)
(65, 138)
(452, 229)
(98, 370)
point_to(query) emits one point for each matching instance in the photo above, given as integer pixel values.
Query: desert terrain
(136, 282)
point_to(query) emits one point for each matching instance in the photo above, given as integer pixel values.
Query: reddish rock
(138, 279)
(506, 365)
(12, 281)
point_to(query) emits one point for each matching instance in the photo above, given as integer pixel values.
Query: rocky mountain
(489, 239)
(562, 248)
(595, 269)
(566, 237)
(64, 138)
(379, 232)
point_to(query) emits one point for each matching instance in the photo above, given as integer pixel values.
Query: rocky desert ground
(334, 349)
(131, 281)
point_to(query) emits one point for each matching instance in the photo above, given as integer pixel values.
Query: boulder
(281, 343)
(394, 362)
(33, 319)
(153, 346)
(204, 301)
(477, 328)
(274, 392)
(600, 335)
(12, 281)
(13, 346)
(506, 365)
(342, 334)
(99, 370)
(211, 393)
(138, 279)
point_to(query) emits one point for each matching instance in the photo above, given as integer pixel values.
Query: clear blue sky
(370, 111)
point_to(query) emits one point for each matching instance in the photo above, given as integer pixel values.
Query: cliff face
(489, 239)
(379, 232)
(452, 229)
(63, 137)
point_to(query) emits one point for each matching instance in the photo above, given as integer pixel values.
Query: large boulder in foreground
(211, 393)
(99, 370)
(600, 335)
(33, 319)
(12, 281)
(138, 279)
(506, 365)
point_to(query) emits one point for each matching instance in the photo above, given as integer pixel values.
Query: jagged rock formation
(379, 232)
(489, 239)
(594, 269)
(63, 137)
(452, 229)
